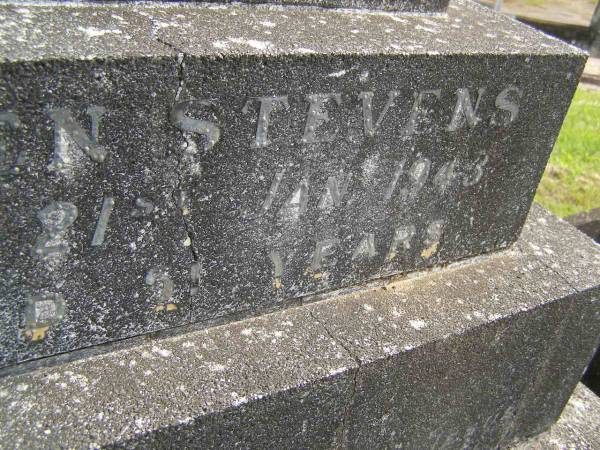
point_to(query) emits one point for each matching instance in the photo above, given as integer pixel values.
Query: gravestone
(169, 164)
(413, 6)
(478, 355)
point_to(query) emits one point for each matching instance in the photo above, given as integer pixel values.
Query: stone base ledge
(481, 353)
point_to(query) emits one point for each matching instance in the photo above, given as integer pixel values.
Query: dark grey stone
(477, 355)
(587, 222)
(577, 428)
(143, 190)
(412, 6)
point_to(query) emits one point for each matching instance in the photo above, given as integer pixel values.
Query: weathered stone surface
(463, 357)
(577, 428)
(164, 165)
(413, 6)
(587, 222)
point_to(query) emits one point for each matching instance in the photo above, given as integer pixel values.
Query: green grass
(571, 182)
(531, 2)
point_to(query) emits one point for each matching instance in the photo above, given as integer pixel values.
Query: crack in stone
(180, 66)
(177, 188)
(342, 431)
(180, 202)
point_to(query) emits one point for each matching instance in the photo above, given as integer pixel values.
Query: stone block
(577, 428)
(164, 165)
(479, 355)
(410, 6)
(587, 222)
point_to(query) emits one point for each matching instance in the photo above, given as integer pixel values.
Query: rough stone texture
(577, 428)
(171, 206)
(412, 6)
(587, 222)
(478, 354)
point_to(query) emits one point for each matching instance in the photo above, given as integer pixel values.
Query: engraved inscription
(70, 139)
(334, 191)
(56, 218)
(142, 208)
(41, 312)
(191, 125)
(366, 248)
(107, 206)
(267, 105)
(367, 104)
(402, 237)
(317, 116)
(331, 189)
(273, 190)
(164, 289)
(323, 250)
(464, 111)
(296, 204)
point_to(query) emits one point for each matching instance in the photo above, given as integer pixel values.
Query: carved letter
(163, 287)
(67, 130)
(504, 103)
(323, 249)
(334, 192)
(197, 273)
(411, 125)
(295, 205)
(277, 268)
(273, 190)
(419, 172)
(443, 178)
(402, 235)
(143, 208)
(184, 123)
(267, 105)
(55, 218)
(317, 115)
(42, 311)
(366, 248)
(435, 230)
(107, 206)
(367, 104)
(464, 110)
(392, 186)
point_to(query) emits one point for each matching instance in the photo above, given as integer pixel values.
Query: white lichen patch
(390, 349)
(337, 371)
(304, 51)
(259, 45)
(162, 352)
(417, 324)
(341, 73)
(93, 32)
(215, 367)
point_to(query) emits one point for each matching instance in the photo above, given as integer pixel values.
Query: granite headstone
(168, 164)
(474, 356)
